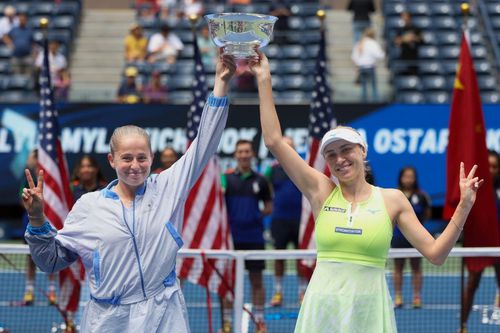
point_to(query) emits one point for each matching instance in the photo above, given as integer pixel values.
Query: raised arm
(47, 252)
(312, 183)
(178, 180)
(436, 250)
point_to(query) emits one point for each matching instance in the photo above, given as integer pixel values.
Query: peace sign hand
(33, 199)
(469, 185)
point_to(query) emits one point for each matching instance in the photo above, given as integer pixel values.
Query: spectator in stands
(280, 9)
(57, 60)
(365, 55)
(29, 291)
(62, 85)
(208, 50)
(8, 21)
(474, 277)
(192, 7)
(240, 2)
(361, 10)
(87, 177)
(409, 39)
(164, 45)
(129, 92)
(136, 45)
(246, 191)
(20, 41)
(169, 11)
(285, 222)
(147, 8)
(155, 92)
(168, 157)
(421, 204)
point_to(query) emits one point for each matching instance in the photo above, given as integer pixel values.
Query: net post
(238, 292)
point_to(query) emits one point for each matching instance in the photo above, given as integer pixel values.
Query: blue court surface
(439, 314)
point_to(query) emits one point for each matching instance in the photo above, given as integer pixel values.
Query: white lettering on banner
(167, 137)
(232, 135)
(493, 139)
(90, 136)
(71, 139)
(5, 147)
(410, 141)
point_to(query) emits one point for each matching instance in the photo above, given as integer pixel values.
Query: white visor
(341, 133)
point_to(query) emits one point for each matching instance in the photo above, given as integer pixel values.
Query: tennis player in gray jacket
(127, 234)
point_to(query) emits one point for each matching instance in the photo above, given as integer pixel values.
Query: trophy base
(241, 51)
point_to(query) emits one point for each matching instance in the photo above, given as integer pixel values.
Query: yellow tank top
(362, 237)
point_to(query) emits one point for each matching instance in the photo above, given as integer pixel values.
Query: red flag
(205, 218)
(321, 119)
(467, 143)
(57, 193)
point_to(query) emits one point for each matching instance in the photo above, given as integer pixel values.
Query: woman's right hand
(33, 198)
(259, 66)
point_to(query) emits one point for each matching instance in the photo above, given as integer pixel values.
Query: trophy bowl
(240, 33)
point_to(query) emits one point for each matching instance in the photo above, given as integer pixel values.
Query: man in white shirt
(164, 45)
(57, 60)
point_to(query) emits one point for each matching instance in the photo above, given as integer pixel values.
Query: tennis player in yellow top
(354, 222)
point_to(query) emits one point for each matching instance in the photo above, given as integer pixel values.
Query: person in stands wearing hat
(348, 291)
(136, 45)
(129, 92)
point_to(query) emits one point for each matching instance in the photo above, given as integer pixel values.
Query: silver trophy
(240, 33)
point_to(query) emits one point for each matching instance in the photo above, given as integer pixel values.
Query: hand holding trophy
(239, 34)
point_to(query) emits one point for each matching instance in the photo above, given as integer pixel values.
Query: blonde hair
(127, 130)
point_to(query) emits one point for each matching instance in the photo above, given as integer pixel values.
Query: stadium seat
(291, 67)
(438, 97)
(393, 9)
(479, 52)
(187, 52)
(180, 82)
(277, 82)
(180, 97)
(422, 22)
(409, 82)
(272, 51)
(312, 22)
(486, 83)
(493, 9)
(5, 52)
(148, 22)
(428, 52)
(445, 23)
(19, 82)
(413, 97)
(433, 83)
(298, 82)
(292, 51)
(304, 9)
(418, 8)
(429, 37)
(393, 22)
(4, 67)
(63, 22)
(447, 38)
(295, 23)
(42, 8)
(18, 96)
(490, 97)
(495, 22)
(449, 52)
(441, 9)
(292, 97)
(67, 8)
(182, 67)
(482, 67)
(430, 68)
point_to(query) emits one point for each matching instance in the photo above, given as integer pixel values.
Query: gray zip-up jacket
(129, 253)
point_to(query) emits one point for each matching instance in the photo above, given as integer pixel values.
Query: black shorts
(284, 232)
(252, 265)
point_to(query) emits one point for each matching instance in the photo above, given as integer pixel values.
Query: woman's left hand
(469, 185)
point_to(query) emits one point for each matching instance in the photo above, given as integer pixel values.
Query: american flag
(57, 193)
(205, 217)
(321, 119)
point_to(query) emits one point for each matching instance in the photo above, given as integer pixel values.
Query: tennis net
(439, 310)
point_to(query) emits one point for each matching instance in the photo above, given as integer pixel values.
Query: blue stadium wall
(397, 135)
